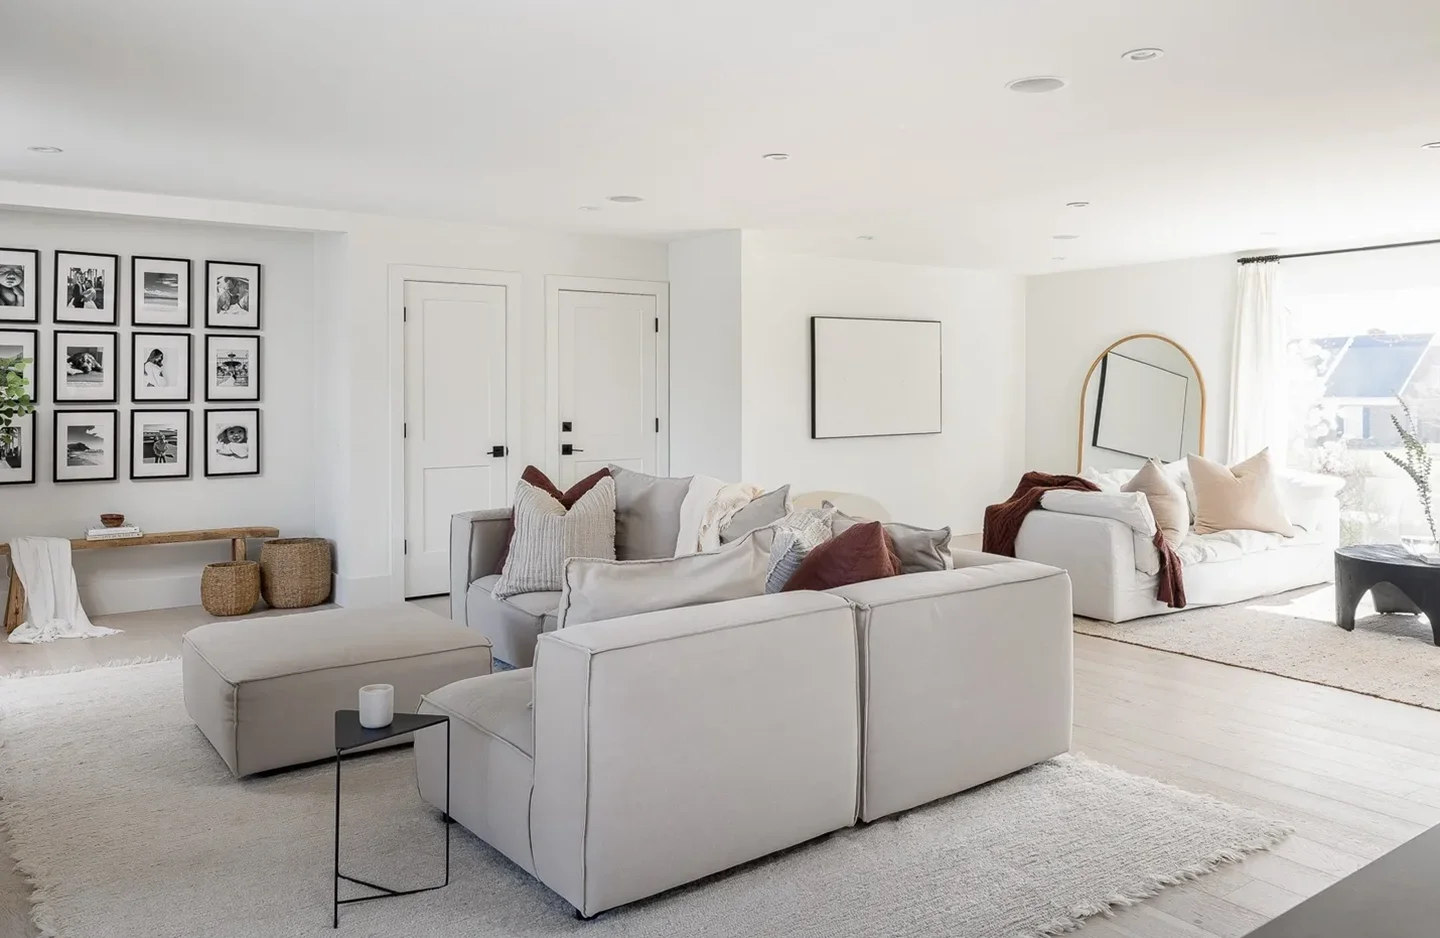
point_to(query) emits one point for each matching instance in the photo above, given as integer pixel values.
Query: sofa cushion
(513, 623)
(546, 535)
(1241, 497)
(786, 555)
(567, 498)
(647, 513)
(1166, 498)
(767, 509)
(608, 589)
(864, 552)
(921, 550)
(497, 704)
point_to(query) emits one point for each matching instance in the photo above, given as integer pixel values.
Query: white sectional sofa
(645, 752)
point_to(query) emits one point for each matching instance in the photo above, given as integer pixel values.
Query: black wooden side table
(1398, 582)
(349, 734)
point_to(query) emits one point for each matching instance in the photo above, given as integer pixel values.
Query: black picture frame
(209, 441)
(30, 422)
(1100, 408)
(110, 413)
(137, 369)
(213, 316)
(32, 291)
(113, 292)
(60, 370)
(208, 368)
(137, 286)
(35, 345)
(137, 442)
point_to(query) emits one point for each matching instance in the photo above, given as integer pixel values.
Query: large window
(1350, 357)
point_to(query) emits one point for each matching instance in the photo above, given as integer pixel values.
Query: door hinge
(657, 424)
(657, 324)
(404, 314)
(406, 547)
(405, 431)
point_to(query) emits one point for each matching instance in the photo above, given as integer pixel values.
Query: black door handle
(498, 451)
(569, 449)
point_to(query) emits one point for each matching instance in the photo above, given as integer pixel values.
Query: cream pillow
(1242, 497)
(1166, 498)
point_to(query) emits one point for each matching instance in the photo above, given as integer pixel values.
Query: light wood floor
(1356, 776)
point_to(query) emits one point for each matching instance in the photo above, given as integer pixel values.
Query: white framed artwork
(874, 377)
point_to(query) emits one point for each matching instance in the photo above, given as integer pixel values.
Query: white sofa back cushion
(594, 590)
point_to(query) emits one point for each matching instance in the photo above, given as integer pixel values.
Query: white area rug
(128, 825)
(1294, 635)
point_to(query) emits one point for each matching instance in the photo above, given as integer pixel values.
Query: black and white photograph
(232, 293)
(86, 366)
(87, 287)
(19, 285)
(232, 368)
(159, 444)
(17, 452)
(232, 442)
(85, 445)
(18, 345)
(160, 292)
(159, 366)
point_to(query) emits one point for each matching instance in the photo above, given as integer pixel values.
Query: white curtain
(1258, 382)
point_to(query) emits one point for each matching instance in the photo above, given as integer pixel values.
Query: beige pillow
(1242, 497)
(1166, 498)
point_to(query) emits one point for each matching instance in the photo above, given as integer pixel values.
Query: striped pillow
(546, 535)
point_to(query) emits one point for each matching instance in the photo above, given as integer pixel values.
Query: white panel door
(454, 418)
(607, 382)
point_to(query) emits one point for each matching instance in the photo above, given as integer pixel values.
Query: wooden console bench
(15, 604)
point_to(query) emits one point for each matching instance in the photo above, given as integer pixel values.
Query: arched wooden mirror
(1143, 398)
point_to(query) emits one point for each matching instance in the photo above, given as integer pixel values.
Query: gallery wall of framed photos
(147, 341)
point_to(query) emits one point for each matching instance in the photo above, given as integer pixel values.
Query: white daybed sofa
(1104, 540)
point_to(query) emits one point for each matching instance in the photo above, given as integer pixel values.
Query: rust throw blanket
(1002, 526)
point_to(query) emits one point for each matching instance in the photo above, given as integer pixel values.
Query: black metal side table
(1397, 581)
(349, 734)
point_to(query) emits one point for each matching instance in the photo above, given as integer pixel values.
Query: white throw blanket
(43, 564)
(708, 507)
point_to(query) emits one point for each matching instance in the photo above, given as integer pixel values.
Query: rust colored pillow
(566, 499)
(864, 552)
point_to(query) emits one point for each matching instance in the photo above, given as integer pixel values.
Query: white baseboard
(363, 591)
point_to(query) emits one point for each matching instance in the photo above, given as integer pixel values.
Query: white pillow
(1109, 480)
(609, 589)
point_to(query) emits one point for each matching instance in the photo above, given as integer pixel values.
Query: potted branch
(15, 400)
(1416, 464)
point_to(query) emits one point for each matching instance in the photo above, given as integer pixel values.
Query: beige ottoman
(265, 691)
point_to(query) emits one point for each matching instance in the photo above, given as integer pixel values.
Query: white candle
(377, 705)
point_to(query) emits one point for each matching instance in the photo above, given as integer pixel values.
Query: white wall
(1072, 317)
(946, 478)
(115, 581)
(705, 277)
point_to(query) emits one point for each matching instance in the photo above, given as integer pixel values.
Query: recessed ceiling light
(864, 237)
(1268, 234)
(1038, 84)
(626, 198)
(1143, 55)
(45, 149)
(1057, 258)
(775, 157)
(1432, 145)
(1066, 237)
(1077, 204)
(589, 208)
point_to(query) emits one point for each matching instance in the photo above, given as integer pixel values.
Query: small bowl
(112, 520)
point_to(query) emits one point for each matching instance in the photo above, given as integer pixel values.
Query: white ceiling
(1298, 117)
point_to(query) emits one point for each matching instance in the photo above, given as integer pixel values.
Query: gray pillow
(608, 589)
(647, 513)
(920, 549)
(786, 555)
(767, 509)
(546, 535)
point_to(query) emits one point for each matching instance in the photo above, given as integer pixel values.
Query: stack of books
(113, 534)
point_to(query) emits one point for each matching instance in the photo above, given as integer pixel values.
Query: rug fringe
(117, 663)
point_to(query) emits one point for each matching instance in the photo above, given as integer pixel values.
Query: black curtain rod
(1371, 247)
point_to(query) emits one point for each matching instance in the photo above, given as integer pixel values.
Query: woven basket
(231, 588)
(295, 572)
